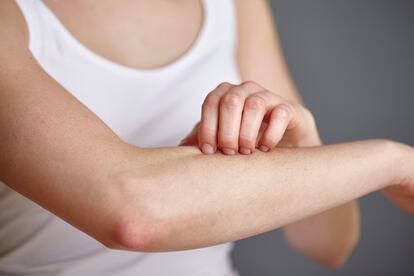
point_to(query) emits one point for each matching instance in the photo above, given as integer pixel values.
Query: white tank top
(146, 108)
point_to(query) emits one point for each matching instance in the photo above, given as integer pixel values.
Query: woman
(96, 95)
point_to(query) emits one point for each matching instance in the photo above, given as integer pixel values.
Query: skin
(60, 155)
(328, 237)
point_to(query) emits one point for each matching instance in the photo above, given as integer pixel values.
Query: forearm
(192, 200)
(178, 198)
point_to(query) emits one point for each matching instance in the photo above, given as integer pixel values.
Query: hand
(239, 118)
(401, 193)
(402, 196)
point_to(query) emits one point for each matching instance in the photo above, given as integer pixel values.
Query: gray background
(353, 62)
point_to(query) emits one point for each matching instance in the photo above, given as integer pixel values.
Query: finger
(255, 107)
(262, 129)
(207, 132)
(230, 114)
(191, 139)
(280, 118)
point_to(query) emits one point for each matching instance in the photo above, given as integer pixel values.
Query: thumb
(192, 138)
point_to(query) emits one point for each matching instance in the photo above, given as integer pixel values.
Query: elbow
(129, 233)
(338, 257)
(138, 224)
(341, 253)
(132, 235)
(332, 255)
(138, 230)
(334, 262)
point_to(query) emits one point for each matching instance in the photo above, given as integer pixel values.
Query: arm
(328, 237)
(55, 152)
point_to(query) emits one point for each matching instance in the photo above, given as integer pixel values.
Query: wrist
(402, 159)
(395, 157)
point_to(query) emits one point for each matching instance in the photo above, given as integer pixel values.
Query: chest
(156, 107)
(138, 34)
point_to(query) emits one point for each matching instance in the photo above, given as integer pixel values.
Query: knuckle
(237, 90)
(224, 85)
(308, 113)
(232, 99)
(212, 99)
(249, 84)
(309, 117)
(284, 110)
(287, 106)
(255, 102)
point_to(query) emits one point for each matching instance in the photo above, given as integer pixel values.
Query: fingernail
(263, 148)
(245, 151)
(207, 149)
(229, 151)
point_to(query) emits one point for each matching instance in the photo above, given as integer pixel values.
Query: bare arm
(328, 237)
(55, 152)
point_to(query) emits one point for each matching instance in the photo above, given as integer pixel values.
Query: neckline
(113, 66)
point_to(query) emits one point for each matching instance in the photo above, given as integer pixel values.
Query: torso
(138, 34)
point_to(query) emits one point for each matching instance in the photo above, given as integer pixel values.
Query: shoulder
(254, 23)
(13, 31)
(14, 52)
(248, 8)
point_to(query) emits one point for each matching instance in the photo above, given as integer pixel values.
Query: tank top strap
(31, 13)
(223, 18)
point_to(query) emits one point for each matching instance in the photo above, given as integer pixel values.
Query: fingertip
(246, 145)
(228, 151)
(264, 148)
(207, 148)
(245, 151)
